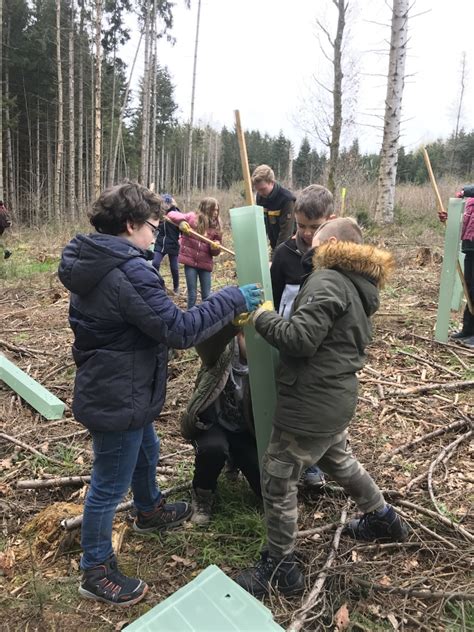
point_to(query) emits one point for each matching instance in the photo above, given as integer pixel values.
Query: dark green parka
(323, 344)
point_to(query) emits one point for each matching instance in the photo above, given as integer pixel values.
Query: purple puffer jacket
(467, 232)
(192, 251)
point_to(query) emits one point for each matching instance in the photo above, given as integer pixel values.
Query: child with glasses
(123, 324)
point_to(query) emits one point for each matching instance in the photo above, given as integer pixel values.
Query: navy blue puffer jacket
(123, 323)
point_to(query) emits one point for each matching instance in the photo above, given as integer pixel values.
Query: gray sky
(260, 56)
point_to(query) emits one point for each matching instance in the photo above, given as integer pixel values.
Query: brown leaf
(6, 464)
(341, 618)
(44, 448)
(385, 581)
(182, 560)
(7, 562)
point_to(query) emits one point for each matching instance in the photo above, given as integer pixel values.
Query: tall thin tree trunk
(337, 95)
(80, 116)
(112, 119)
(1, 101)
(393, 108)
(60, 121)
(154, 114)
(38, 164)
(12, 197)
(191, 116)
(98, 99)
(72, 122)
(49, 169)
(459, 109)
(144, 162)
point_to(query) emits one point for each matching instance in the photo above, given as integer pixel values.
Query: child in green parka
(322, 346)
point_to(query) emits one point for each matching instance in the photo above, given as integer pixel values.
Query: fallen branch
(74, 523)
(25, 446)
(449, 449)
(435, 365)
(432, 514)
(443, 344)
(460, 423)
(25, 350)
(447, 386)
(413, 592)
(308, 532)
(298, 621)
(421, 526)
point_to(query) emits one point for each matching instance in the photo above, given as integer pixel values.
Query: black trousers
(214, 446)
(468, 318)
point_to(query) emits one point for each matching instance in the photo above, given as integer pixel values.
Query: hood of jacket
(366, 266)
(87, 259)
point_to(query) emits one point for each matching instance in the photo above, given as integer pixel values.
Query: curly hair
(122, 203)
(207, 206)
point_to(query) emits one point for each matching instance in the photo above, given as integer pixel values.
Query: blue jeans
(121, 459)
(192, 275)
(158, 258)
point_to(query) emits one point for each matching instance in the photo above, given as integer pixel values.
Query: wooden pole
(442, 210)
(244, 159)
(203, 238)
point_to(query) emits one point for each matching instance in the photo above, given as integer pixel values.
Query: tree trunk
(72, 122)
(393, 106)
(337, 96)
(80, 116)
(11, 185)
(191, 116)
(98, 99)
(1, 101)
(60, 121)
(154, 117)
(146, 101)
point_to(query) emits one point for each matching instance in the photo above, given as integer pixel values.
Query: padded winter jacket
(287, 274)
(467, 231)
(167, 239)
(323, 344)
(192, 251)
(123, 324)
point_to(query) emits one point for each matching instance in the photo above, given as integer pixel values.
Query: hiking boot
(459, 335)
(7, 254)
(282, 574)
(106, 583)
(373, 526)
(202, 503)
(163, 517)
(467, 342)
(313, 477)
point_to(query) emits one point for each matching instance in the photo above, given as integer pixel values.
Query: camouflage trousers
(286, 457)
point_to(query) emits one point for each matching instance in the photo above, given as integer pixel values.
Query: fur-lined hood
(348, 257)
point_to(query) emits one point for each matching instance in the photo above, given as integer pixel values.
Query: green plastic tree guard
(28, 389)
(449, 278)
(211, 602)
(251, 252)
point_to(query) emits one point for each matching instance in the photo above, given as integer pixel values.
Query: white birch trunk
(393, 107)
(191, 116)
(72, 122)
(144, 163)
(60, 121)
(98, 99)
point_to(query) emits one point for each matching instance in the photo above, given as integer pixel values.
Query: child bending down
(322, 346)
(219, 419)
(196, 255)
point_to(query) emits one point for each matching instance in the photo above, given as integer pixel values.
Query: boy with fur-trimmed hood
(322, 346)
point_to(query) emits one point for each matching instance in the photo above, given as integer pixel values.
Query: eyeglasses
(154, 229)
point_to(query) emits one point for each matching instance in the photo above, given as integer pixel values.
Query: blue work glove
(253, 296)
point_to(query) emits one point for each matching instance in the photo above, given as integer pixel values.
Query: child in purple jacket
(466, 335)
(196, 255)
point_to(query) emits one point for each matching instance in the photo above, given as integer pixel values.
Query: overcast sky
(260, 56)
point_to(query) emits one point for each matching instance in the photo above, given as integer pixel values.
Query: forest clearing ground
(404, 586)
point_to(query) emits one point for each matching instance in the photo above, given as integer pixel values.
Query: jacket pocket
(287, 376)
(277, 468)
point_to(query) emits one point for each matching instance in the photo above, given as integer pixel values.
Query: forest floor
(422, 584)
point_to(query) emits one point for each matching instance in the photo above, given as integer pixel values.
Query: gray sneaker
(467, 342)
(202, 504)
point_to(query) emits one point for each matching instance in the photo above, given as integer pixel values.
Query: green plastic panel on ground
(28, 389)
(251, 251)
(211, 602)
(449, 276)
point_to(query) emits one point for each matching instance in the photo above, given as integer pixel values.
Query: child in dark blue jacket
(167, 241)
(123, 324)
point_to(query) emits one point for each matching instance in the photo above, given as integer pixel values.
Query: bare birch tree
(144, 160)
(384, 210)
(191, 116)
(1, 100)
(72, 122)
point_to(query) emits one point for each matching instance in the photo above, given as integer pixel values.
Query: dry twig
(460, 423)
(413, 592)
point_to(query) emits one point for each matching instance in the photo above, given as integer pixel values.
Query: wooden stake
(203, 238)
(244, 159)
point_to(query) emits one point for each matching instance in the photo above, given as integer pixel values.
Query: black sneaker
(389, 527)
(459, 335)
(7, 254)
(202, 504)
(106, 583)
(282, 574)
(163, 517)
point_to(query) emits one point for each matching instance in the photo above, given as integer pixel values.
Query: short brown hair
(263, 173)
(124, 202)
(343, 228)
(315, 201)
